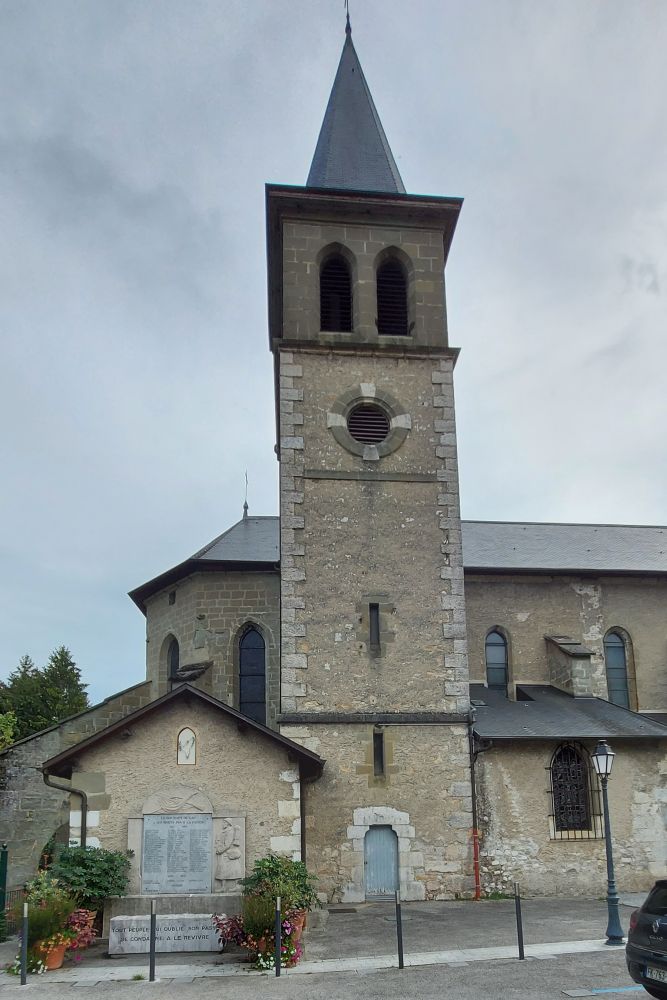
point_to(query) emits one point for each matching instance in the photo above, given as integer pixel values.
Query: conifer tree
(40, 698)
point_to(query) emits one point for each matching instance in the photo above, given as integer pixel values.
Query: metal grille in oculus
(368, 423)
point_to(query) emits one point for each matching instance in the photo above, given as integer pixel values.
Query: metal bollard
(279, 928)
(399, 929)
(3, 892)
(151, 957)
(24, 946)
(519, 921)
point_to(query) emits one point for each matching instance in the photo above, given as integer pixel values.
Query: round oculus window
(368, 423)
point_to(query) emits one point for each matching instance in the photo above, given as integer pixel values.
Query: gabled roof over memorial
(352, 151)
(311, 762)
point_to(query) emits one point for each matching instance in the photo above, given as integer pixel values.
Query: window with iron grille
(335, 294)
(575, 796)
(392, 299)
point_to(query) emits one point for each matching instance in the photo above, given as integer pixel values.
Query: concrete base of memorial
(173, 932)
(140, 906)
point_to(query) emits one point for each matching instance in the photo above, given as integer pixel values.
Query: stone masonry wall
(424, 796)
(529, 607)
(242, 773)
(30, 811)
(209, 613)
(517, 842)
(346, 536)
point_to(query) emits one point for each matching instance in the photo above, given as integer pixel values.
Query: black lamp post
(603, 761)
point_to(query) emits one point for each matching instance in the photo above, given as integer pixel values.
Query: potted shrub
(49, 908)
(275, 876)
(92, 874)
(253, 929)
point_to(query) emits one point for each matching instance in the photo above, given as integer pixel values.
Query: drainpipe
(302, 808)
(51, 782)
(473, 792)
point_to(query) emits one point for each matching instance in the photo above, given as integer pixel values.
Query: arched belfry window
(575, 798)
(252, 675)
(335, 294)
(616, 665)
(392, 299)
(173, 658)
(496, 661)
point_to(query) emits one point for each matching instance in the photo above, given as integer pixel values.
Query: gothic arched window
(392, 299)
(496, 661)
(252, 675)
(173, 658)
(335, 294)
(617, 669)
(571, 789)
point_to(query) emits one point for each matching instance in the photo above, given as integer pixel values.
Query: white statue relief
(229, 850)
(187, 747)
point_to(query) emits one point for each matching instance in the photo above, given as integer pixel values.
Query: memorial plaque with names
(177, 853)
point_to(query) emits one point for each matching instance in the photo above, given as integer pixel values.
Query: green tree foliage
(7, 728)
(40, 698)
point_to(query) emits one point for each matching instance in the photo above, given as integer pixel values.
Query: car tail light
(634, 917)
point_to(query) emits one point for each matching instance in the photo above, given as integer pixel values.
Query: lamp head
(603, 759)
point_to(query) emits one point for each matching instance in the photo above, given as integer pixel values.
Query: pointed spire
(352, 151)
(245, 500)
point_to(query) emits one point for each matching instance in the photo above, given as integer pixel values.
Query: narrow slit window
(374, 627)
(378, 754)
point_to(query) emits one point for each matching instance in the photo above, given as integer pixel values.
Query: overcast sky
(135, 379)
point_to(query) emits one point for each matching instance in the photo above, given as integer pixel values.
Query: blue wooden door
(380, 861)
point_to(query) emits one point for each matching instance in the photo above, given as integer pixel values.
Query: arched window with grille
(335, 294)
(392, 299)
(496, 661)
(574, 795)
(616, 665)
(173, 658)
(252, 675)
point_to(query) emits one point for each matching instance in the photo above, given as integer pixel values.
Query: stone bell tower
(374, 666)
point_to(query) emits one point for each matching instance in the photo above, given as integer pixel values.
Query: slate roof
(553, 715)
(252, 539)
(488, 546)
(491, 545)
(252, 543)
(59, 764)
(352, 151)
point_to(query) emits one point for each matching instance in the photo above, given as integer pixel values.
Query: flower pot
(54, 957)
(298, 921)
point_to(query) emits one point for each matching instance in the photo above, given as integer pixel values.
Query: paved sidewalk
(363, 938)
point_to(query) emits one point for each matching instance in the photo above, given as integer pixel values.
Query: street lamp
(603, 761)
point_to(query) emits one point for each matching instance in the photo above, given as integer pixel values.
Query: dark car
(646, 950)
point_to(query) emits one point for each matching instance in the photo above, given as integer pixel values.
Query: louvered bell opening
(392, 294)
(335, 295)
(368, 424)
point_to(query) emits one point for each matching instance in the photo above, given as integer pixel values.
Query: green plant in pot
(274, 876)
(92, 874)
(49, 908)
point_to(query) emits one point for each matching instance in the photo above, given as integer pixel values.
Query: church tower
(374, 665)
